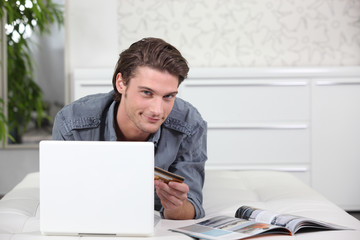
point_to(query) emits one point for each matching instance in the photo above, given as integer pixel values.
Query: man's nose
(156, 106)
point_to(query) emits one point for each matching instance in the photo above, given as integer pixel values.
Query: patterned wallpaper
(248, 33)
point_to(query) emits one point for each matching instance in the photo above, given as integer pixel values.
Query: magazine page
(291, 222)
(224, 227)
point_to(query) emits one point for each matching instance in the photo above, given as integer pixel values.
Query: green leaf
(24, 95)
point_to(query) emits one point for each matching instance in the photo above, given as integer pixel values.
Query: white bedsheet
(224, 192)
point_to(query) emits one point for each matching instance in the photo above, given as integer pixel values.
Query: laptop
(96, 188)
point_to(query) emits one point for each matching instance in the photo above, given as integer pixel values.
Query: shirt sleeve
(190, 163)
(57, 127)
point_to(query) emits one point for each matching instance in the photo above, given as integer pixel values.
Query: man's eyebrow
(146, 88)
(151, 90)
(172, 93)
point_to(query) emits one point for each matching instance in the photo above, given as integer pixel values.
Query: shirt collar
(155, 137)
(110, 119)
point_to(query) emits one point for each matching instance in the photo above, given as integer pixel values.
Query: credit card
(166, 177)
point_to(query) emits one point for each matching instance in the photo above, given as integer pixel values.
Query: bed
(224, 192)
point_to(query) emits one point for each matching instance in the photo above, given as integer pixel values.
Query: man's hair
(149, 52)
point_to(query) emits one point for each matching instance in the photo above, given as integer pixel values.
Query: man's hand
(173, 197)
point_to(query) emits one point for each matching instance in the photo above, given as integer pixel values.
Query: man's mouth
(152, 119)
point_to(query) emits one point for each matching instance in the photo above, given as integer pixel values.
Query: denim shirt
(180, 143)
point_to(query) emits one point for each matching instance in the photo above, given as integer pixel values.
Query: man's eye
(147, 93)
(168, 97)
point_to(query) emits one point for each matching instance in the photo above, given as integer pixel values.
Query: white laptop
(96, 188)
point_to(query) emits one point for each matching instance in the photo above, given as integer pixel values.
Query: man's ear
(120, 85)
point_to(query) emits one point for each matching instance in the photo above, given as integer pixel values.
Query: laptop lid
(93, 187)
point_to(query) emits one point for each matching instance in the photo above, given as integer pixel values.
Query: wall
(91, 36)
(219, 33)
(248, 32)
(14, 165)
(48, 52)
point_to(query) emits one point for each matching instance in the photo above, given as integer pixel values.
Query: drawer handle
(331, 83)
(238, 167)
(95, 85)
(202, 83)
(258, 127)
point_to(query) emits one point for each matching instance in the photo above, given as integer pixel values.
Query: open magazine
(249, 222)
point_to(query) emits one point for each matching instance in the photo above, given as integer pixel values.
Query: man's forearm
(184, 212)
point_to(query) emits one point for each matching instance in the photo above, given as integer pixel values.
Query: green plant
(3, 124)
(24, 95)
(4, 135)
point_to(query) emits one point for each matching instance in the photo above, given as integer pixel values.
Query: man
(143, 107)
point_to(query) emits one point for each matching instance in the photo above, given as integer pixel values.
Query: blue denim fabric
(180, 143)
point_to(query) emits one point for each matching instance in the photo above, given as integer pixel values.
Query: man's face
(148, 98)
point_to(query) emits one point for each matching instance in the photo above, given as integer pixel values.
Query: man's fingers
(172, 194)
(169, 201)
